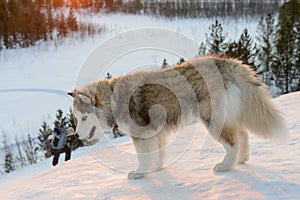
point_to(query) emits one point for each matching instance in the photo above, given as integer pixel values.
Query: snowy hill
(100, 171)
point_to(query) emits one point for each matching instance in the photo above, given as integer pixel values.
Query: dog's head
(91, 113)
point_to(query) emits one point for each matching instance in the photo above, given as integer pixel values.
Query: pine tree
(98, 4)
(3, 21)
(50, 21)
(181, 60)
(202, 49)
(297, 77)
(9, 163)
(31, 150)
(109, 4)
(72, 21)
(71, 119)
(137, 6)
(60, 118)
(246, 49)
(41, 26)
(164, 64)
(43, 138)
(216, 40)
(73, 141)
(242, 49)
(285, 70)
(62, 26)
(233, 50)
(266, 51)
(108, 76)
(20, 158)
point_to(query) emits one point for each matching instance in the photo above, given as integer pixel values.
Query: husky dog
(223, 93)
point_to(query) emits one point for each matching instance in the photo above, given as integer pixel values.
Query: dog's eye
(83, 118)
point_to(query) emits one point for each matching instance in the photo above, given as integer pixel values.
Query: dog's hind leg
(244, 147)
(162, 143)
(148, 155)
(230, 142)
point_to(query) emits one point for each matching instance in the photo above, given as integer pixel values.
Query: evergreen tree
(164, 64)
(242, 49)
(233, 50)
(20, 158)
(108, 76)
(62, 26)
(297, 77)
(31, 150)
(73, 141)
(60, 118)
(109, 4)
(71, 119)
(9, 163)
(216, 40)
(137, 6)
(266, 50)
(3, 20)
(285, 70)
(98, 4)
(50, 21)
(41, 27)
(246, 49)
(43, 138)
(202, 49)
(181, 60)
(72, 21)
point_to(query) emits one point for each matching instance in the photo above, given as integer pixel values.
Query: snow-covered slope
(100, 171)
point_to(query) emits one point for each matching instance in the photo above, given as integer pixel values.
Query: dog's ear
(84, 99)
(71, 94)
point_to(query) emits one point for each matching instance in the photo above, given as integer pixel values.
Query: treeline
(33, 149)
(193, 8)
(24, 22)
(175, 8)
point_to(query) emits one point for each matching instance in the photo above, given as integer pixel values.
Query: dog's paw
(220, 168)
(135, 175)
(243, 159)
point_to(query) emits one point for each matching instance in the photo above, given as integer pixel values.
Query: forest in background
(23, 23)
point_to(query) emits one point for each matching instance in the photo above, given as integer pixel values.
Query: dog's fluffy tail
(259, 114)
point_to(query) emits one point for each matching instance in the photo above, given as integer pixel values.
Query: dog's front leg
(142, 168)
(148, 155)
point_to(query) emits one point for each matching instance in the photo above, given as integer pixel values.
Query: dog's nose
(76, 135)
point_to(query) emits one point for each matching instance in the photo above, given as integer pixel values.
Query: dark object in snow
(116, 131)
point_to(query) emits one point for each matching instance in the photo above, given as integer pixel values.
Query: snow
(34, 82)
(100, 171)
